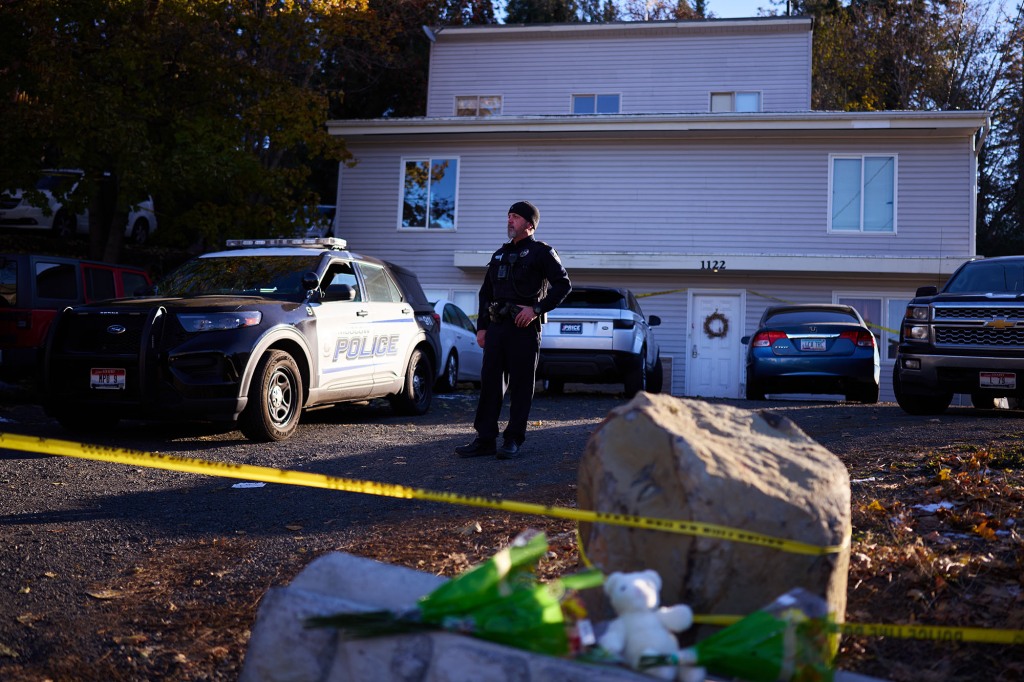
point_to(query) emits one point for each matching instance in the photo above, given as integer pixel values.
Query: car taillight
(765, 339)
(859, 337)
(623, 324)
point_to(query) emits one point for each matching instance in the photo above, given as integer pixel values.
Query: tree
(216, 109)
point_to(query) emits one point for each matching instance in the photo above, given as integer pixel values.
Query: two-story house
(679, 159)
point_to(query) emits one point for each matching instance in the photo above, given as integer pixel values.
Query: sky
(731, 9)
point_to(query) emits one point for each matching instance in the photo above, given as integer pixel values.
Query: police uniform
(527, 273)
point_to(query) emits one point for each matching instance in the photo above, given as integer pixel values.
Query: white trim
(429, 158)
(769, 262)
(832, 157)
(924, 122)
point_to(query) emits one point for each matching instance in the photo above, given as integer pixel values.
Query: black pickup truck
(966, 338)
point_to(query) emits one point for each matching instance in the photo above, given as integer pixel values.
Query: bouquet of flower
(499, 600)
(790, 639)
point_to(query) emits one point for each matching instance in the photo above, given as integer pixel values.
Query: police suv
(253, 334)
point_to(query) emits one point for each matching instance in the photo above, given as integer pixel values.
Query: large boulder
(664, 457)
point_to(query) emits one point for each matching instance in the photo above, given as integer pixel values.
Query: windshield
(993, 277)
(814, 316)
(276, 276)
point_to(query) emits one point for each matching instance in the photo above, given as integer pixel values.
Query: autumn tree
(214, 108)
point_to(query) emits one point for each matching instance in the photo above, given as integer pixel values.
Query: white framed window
(595, 104)
(862, 193)
(735, 102)
(429, 193)
(478, 105)
(883, 313)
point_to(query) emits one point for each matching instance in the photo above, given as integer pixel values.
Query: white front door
(715, 358)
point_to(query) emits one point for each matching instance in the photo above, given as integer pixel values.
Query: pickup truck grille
(976, 336)
(980, 314)
(970, 326)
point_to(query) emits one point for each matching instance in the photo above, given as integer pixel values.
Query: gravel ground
(112, 572)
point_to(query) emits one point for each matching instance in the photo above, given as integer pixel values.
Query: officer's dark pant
(509, 351)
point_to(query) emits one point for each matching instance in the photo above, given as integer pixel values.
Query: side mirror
(310, 282)
(653, 320)
(744, 340)
(927, 291)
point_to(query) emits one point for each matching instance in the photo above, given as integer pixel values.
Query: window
(595, 104)
(862, 193)
(132, 282)
(478, 105)
(56, 280)
(9, 281)
(735, 102)
(99, 283)
(379, 286)
(429, 189)
(871, 308)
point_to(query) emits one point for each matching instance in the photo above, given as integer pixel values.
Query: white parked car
(461, 357)
(600, 335)
(17, 210)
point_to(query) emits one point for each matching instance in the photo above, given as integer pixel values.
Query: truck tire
(919, 404)
(415, 396)
(275, 399)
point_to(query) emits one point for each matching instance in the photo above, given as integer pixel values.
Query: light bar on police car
(310, 242)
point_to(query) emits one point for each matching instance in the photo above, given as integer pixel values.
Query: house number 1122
(712, 265)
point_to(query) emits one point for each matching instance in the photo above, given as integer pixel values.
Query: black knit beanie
(527, 211)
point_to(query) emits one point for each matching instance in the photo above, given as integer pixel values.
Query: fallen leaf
(131, 639)
(105, 594)
(293, 526)
(7, 651)
(29, 618)
(50, 574)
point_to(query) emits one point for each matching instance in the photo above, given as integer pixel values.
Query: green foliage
(216, 109)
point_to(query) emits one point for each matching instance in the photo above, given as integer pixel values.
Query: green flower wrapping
(498, 600)
(791, 639)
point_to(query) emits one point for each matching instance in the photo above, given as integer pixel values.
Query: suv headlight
(210, 322)
(917, 313)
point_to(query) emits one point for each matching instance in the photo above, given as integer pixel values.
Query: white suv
(600, 335)
(17, 209)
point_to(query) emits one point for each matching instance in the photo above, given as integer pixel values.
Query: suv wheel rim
(279, 398)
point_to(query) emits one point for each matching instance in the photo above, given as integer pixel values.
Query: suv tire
(636, 378)
(656, 377)
(415, 396)
(275, 399)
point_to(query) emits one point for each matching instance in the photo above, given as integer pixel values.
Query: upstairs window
(862, 193)
(429, 188)
(595, 104)
(735, 102)
(478, 105)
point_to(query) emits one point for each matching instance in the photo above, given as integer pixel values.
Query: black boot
(478, 448)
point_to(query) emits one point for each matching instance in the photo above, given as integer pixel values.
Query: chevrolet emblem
(1000, 323)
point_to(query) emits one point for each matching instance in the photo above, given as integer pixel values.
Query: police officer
(524, 280)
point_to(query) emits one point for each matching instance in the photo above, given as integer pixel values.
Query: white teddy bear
(641, 627)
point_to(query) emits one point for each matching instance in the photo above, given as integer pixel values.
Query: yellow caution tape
(250, 472)
(289, 477)
(923, 632)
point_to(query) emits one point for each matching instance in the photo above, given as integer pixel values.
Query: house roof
(491, 32)
(669, 124)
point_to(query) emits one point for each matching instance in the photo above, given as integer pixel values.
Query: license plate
(107, 378)
(812, 344)
(571, 328)
(998, 379)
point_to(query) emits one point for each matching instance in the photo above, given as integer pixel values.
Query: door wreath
(716, 325)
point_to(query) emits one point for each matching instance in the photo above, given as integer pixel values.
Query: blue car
(812, 348)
